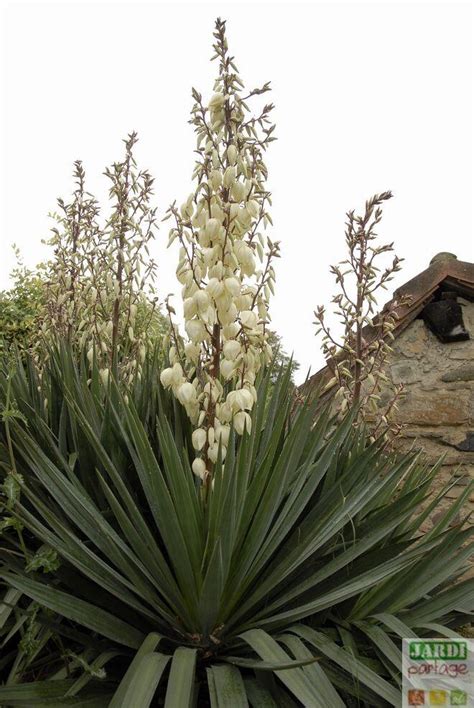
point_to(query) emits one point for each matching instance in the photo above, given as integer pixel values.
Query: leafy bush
(291, 585)
(22, 308)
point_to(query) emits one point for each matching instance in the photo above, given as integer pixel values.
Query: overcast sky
(368, 97)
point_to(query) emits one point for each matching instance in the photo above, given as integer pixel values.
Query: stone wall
(437, 407)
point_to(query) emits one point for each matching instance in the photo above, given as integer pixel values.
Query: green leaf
(258, 695)
(34, 692)
(77, 610)
(181, 681)
(148, 645)
(140, 685)
(294, 679)
(228, 687)
(269, 665)
(349, 663)
(327, 694)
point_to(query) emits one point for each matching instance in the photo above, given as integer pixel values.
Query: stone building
(433, 357)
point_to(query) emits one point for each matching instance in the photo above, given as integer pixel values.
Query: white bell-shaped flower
(186, 393)
(232, 154)
(216, 102)
(248, 318)
(198, 438)
(232, 285)
(199, 468)
(227, 369)
(196, 330)
(229, 177)
(232, 349)
(242, 421)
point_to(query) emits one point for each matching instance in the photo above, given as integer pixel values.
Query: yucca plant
(291, 585)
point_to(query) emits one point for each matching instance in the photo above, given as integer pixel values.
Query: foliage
(225, 293)
(292, 582)
(358, 360)
(26, 307)
(22, 307)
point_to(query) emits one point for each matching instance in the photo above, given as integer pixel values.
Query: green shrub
(21, 308)
(291, 585)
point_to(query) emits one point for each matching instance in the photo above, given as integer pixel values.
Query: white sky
(368, 97)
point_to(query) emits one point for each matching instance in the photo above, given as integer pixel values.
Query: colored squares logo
(417, 697)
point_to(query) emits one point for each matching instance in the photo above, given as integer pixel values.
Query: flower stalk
(225, 265)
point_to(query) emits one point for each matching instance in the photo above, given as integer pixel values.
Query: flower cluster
(358, 360)
(100, 284)
(225, 265)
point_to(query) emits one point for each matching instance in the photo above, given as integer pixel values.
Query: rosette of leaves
(291, 585)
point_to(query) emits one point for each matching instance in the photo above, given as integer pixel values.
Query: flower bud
(186, 210)
(171, 376)
(242, 421)
(177, 373)
(229, 176)
(216, 271)
(227, 368)
(232, 349)
(216, 102)
(212, 228)
(244, 218)
(209, 255)
(225, 412)
(253, 208)
(215, 288)
(201, 300)
(222, 434)
(231, 330)
(192, 351)
(215, 179)
(199, 468)
(232, 154)
(199, 438)
(189, 308)
(166, 377)
(240, 400)
(186, 393)
(238, 191)
(227, 316)
(195, 330)
(233, 211)
(203, 238)
(211, 435)
(217, 213)
(243, 302)
(232, 285)
(213, 453)
(248, 319)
